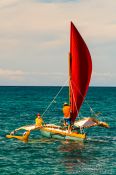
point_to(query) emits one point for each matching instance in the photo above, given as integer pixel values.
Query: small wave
(99, 139)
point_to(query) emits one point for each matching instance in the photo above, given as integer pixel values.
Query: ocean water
(18, 107)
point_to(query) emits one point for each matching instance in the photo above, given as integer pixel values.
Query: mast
(69, 75)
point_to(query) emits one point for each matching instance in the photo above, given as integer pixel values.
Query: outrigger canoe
(80, 69)
(58, 132)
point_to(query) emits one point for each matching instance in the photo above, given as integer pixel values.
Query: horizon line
(52, 86)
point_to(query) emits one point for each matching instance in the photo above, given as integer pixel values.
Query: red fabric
(80, 70)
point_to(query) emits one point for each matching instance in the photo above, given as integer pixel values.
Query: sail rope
(81, 129)
(74, 99)
(54, 98)
(91, 110)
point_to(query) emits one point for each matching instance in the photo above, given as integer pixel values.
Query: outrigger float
(80, 69)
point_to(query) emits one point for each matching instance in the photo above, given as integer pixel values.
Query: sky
(34, 40)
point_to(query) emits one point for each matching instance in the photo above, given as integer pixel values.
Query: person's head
(65, 104)
(38, 115)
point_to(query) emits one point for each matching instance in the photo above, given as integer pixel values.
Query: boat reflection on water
(68, 146)
(79, 158)
(72, 155)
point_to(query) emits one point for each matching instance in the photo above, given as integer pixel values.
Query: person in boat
(39, 121)
(67, 116)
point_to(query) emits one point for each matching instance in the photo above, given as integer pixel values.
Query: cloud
(19, 77)
(103, 78)
(11, 74)
(34, 34)
(91, 17)
(8, 3)
(56, 1)
(104, 74)
(43, 17)
(7, 72)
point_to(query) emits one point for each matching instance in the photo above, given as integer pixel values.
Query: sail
(80, 68)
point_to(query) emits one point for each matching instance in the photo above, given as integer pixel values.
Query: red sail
(80, 71)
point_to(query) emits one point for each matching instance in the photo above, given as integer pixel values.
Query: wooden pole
(69, 74)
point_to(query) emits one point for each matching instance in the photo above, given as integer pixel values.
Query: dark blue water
(18, 107)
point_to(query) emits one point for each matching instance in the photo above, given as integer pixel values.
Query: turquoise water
(18, 107)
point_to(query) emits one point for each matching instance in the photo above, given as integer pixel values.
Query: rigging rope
(81, 129)
(54, 98)
(74, 99)
(91, 110)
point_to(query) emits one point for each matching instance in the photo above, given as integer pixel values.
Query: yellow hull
(49, 131)
(59, 133)
(23, 138)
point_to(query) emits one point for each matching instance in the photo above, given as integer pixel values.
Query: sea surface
(42, 156)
